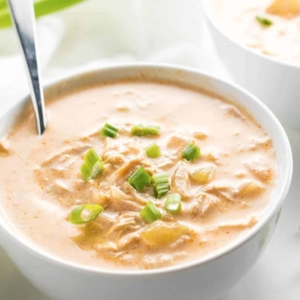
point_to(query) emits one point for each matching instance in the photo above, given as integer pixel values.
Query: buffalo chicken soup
(268, 26)
(136, 175)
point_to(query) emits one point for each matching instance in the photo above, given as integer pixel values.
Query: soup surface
(276, 33)
(224, 191)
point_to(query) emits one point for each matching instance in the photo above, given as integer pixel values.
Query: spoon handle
(23, 18)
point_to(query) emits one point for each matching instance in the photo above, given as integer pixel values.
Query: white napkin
(100, 32)
(13, 80)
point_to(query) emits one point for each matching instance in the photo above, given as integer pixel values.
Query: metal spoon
(23, 18)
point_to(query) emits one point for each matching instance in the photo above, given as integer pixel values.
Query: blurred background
(102, 32)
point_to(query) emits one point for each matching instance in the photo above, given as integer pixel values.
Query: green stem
(3, 4)
(45, 7)
(41, 8)
(5, 20)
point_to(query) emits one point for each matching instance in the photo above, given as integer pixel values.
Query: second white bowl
(274, 82)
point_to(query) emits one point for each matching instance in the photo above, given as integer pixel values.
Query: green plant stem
(5, 20)
(41, 8)
(3, 4)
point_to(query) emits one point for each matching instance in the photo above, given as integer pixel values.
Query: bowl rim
(208, 7)
(278, 201)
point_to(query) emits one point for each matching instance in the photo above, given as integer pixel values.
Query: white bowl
(207, 278)
(275, 82)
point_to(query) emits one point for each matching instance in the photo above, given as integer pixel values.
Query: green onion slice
(139, 179)
(140, 130)
(264, 21)
(191, 152)
(173, 203)
(153, 151)
(109, 130)
(92, 166)
(150, 212)
(85, 213)
(161, 185)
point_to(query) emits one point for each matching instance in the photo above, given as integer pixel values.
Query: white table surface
(276, 275)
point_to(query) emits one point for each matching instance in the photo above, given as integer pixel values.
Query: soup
(136, 175)
(266, 26)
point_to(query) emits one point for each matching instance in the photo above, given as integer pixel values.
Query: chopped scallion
(109, 130)
(139, 179)
(85, 213)
(173, 203)
(150, 212)
(161, 185)
(140, 130)
(153, 151)
(264, 21)
(191, 152)
(92, 166)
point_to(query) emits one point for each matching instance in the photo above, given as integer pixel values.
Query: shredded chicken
(259, 143)
(110, 235)
(125, 223)
(180, 180)
(123, 233)
(125, 171)
(121, 202)
(219, 189)
(260, 170)
(98, 197)
(204, 205)
(249, 189)
(136, 196)
(177, 141)
(115, 158)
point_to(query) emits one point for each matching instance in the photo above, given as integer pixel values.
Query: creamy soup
(267, 26)
(198, 176)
